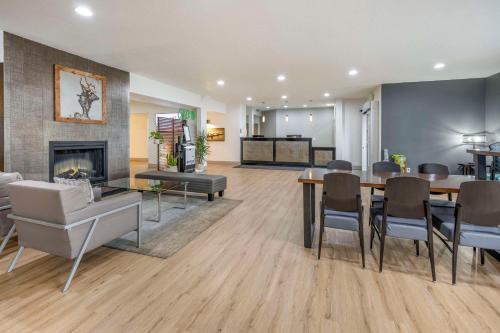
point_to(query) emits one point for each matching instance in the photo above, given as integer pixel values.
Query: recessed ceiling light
(84, 11)
(220, 82)
(284, 96)
(249, 98)
(353, 72)
(439, 65)
(268, 107)
(305, 105)
(327, 94)
(285, 106)
(281, 77)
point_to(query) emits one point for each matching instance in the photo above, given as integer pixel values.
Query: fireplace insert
(79, 160)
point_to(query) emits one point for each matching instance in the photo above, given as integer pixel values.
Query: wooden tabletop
(484, 152)
(439, 183)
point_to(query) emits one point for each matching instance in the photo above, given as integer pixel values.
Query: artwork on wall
(216, 134)
(80, 96)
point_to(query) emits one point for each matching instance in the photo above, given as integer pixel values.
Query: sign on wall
(80, 96)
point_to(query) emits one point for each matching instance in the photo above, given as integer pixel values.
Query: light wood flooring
(250, 273)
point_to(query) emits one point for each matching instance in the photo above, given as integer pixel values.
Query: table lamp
(474, 139)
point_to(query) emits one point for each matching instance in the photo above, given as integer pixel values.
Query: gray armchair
(7, 228)
(55, 218)
(476, 221)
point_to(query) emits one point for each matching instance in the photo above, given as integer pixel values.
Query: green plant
(156, 135)
(171, 160)
(202, 148)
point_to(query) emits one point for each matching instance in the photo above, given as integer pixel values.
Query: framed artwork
(216, 134)
(80, 97)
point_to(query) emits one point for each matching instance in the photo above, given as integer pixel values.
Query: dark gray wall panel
(29, 109)
(492, 106)
(426, 120)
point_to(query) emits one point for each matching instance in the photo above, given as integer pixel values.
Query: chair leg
(81, 252)
(7, 238)
(454, 264)
(430, 245)
(417, 247)
(372, 235)
(382, 241)
(481, 253)
(321, 229)
(362, 245)
(16, 258)
(450, 197)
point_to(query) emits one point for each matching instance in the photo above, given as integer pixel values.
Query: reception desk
(278, 151)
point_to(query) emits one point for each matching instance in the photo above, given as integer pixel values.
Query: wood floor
(250, 272)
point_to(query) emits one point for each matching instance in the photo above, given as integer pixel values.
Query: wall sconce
(263, 118)
(209, 124)
(474, 139)
(286, 118)
(310, 117)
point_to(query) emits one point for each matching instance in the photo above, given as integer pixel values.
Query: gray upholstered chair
(476, 221)
(339, 165)
(56, 219)
(437, 169)
(382, 167)
(7, 228)
(406, 214)
(341, 207)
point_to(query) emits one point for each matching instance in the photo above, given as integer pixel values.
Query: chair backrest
(45, 201)
(341, 191)
(405, 196)
(480, 200)
(339, 165)
(433, 168)
(385, 166)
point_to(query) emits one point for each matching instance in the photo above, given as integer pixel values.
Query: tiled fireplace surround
(29, 109)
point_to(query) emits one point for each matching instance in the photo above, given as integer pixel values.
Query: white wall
(348, 130)
(151, 110)
(1, 46)
(228, 150)
(321, 129)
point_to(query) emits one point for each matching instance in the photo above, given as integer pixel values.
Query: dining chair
(495, 165)
(476, 222)
(339, 165)
(341, 207)
(406, 214)
(436, 169)
(378, 167)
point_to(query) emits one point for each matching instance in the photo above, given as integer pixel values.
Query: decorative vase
(201, 167)
(171, 168)
(156, 141)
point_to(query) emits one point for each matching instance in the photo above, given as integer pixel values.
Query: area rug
(177, 228)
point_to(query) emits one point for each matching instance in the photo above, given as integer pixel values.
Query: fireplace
(79, 159)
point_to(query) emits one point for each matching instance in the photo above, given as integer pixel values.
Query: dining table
(314, 176)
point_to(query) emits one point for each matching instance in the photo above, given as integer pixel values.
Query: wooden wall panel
(170, 129)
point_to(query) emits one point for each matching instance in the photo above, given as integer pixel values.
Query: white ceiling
(191, 44)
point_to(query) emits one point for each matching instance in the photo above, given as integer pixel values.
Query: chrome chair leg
(16, 258)
(7, 238)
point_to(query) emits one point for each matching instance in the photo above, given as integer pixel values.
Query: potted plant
(156, 137)
(201, 152)
(171, 163)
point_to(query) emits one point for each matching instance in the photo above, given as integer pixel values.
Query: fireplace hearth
(78, 160)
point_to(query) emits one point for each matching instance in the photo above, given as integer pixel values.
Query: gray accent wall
(492, 107)
(426, 120)
(29, 109)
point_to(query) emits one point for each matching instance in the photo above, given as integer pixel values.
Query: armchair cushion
(403, 227)
(473, 235)
(45, 201)
(341, 220)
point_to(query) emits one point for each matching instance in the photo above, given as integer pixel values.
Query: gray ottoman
(198, 183)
